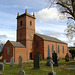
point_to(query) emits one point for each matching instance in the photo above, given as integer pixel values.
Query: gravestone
(51, 63)
(48, 58)
(2, 67)
(4, 61)
(21, 72)
(36, 61)
(67, 57)
(74, 58)
(52, 72)
(54, 56)
(0, 73)
(20, 62)
(12, 61)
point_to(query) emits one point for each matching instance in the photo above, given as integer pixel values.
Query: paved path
(71, 67)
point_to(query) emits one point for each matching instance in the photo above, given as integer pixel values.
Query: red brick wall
(30, 31)
(26, 29)
(14, 52)
(23, 39)
(43, 47)
(21, 30)
(4, 55)
(60, 54)
(40, 48)
(27, 32)
(29, 48)
(23, 19)
(28, 26)
(18, 51)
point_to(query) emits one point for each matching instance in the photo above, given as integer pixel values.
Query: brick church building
(29, 43)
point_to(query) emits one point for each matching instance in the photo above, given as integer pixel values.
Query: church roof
(16, 44)
(49, 38)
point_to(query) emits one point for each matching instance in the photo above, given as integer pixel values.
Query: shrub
(0, 60)
(72, 51)
(67, 57)
(40, 57)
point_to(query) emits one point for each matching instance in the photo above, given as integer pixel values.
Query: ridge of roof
(49, 38)
(16, 44)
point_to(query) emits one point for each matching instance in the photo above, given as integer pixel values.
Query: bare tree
(66, 7)
(1, 48)
(70, 30)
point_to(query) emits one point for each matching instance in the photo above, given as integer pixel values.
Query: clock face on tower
(31, 35)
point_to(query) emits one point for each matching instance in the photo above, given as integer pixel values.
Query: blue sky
(48, 21)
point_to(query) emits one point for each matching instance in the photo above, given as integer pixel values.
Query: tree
(1, 48)
(66, 7)
(72, 51)
(70, 31)
(67, 57)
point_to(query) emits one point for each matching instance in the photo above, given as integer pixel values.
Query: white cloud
(38, 31)
(49, 14)
(51, 27)
(10, 35)
(53, 34)
(3, 36)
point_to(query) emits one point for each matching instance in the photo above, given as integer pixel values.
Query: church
(29, 43)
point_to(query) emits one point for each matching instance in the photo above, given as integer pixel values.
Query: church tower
(26, 31)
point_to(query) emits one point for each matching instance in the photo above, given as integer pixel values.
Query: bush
(67, 57)
(40, 57)
(0, 60)
(1, 54)
(72, 51)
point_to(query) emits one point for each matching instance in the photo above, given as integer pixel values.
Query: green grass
(44, 70)
(0, 60)
(72, 49)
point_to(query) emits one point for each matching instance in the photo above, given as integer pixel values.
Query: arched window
(8, 50)
(63, 49)
(20, 23)
(30, 56)
(58, 48)
(30, 22)
(52, 48)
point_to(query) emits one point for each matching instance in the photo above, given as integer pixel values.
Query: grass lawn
(44, 70)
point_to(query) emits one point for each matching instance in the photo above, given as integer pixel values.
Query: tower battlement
(26, 14)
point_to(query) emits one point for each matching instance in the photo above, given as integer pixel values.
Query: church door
(30, 56)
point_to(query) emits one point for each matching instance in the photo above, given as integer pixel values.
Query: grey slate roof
(49, 38)
(16, 44)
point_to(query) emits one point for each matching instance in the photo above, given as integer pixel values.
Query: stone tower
(26, 31)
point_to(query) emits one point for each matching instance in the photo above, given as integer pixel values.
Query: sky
(49, 21)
